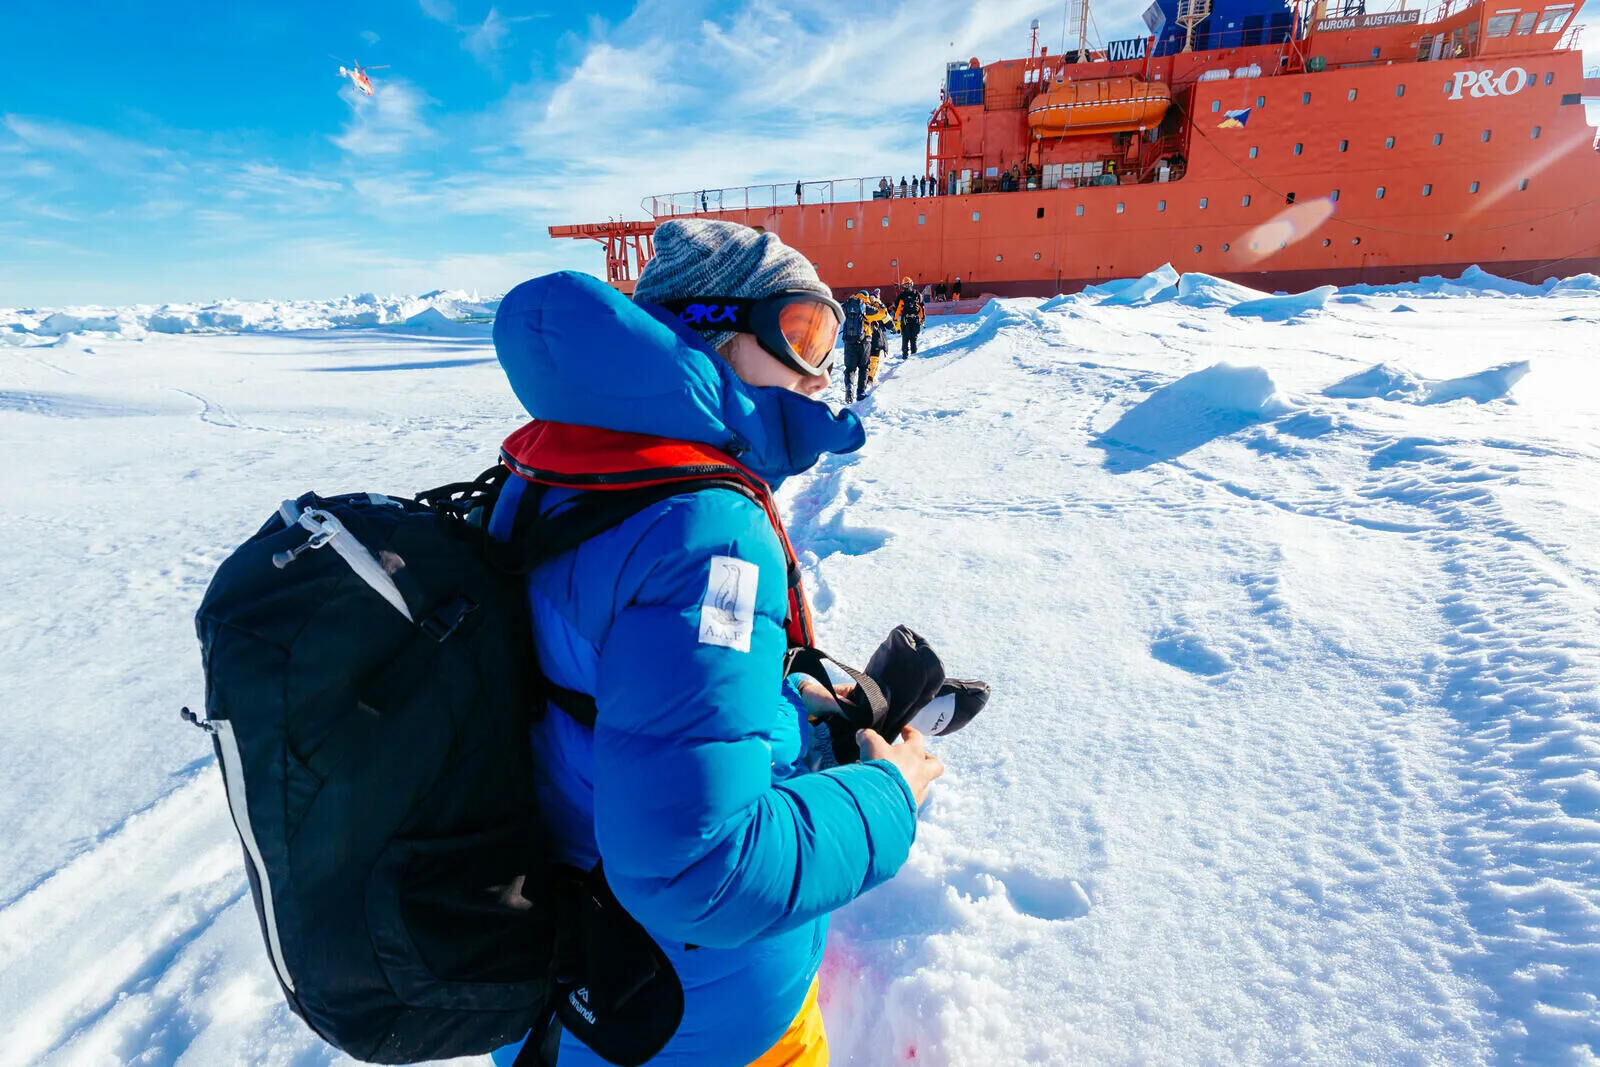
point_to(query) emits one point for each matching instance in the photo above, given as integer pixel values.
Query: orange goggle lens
(810, 328)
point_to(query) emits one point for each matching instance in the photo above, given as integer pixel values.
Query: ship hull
(1332, 181)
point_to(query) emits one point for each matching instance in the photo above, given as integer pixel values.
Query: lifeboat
(1099, 105)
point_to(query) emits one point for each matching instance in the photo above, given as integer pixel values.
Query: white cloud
(386, 123)
(438, 10)
(485, 40)
(370, 36)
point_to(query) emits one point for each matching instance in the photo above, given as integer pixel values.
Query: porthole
(1216, 106)
(974, 216)
(1197, 249)
(1326, 242)
(1244, 201)
(1399, 90)
(1161, 205)
(1298, 148)
(1261, 101)
(1536, 131)
(1485, 137)
(886, 222)
(922, 220)
(849, 224)
(1388, 142)
(1079, 211)
(1427, 189)
(1355, 240)
(1438, 139)
(1203, 201)
(1344, 146)
(1036, 255)
(1351, 95)
(1334, 196)
(1375, 52)
(1380, 192)
(1254, 151)
(1121, 207)
(1449, 237)
(997, 257)
(850, 265)
(1305, 98)
(1473, 188)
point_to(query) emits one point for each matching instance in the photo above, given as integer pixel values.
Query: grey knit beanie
(709, 257)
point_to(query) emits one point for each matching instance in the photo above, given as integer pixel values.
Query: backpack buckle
(444, 622)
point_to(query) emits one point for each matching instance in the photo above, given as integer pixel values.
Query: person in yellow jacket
(878, 324)
(909, 314)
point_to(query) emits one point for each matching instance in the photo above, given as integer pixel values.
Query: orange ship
(1355, 147)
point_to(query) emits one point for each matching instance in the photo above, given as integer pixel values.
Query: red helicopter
(358, 76)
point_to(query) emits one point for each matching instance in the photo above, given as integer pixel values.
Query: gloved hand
(914, 691)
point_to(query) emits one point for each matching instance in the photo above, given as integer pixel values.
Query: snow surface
(1293, 628)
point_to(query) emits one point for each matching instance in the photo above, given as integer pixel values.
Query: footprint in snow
(1188, 651)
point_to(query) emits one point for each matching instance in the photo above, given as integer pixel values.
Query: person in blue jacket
(693, 787)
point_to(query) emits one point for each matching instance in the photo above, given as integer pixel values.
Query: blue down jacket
(692, 787)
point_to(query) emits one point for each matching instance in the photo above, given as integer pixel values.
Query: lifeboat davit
(1099, 105)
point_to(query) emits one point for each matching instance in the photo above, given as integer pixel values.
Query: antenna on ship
(1078, 17)
(1192, 13)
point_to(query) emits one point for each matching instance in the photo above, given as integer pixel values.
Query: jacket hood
(575, 350)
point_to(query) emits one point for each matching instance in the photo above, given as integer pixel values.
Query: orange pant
(805, 1043)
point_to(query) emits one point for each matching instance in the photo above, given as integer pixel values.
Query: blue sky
(194, 150)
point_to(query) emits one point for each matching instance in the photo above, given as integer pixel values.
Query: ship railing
(768, 197)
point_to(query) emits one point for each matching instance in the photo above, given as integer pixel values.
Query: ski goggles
(798, 327)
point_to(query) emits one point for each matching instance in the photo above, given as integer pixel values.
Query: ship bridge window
(1525, 23)
(1427, 190)
(1400, 90)
(1438, 139)
(1216, 106)
(1305, 98)
(1550, 77)
(1551, 22)
(1388, 142)
(1536, 131)
(1298, 148)
(1500, 24)
(1254, 151)
(1351, 95)
(1473, 188)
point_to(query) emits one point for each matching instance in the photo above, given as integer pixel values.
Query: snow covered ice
(1291, 607)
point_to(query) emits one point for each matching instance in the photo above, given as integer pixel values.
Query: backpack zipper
(325, 529)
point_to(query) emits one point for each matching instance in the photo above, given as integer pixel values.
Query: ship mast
(1078, 21)
(1192, 13)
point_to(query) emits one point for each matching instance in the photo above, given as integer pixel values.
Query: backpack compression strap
(590, 458)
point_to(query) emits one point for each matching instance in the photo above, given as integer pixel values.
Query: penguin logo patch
(728, 610)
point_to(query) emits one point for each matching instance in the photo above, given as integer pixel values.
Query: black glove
(911, 691)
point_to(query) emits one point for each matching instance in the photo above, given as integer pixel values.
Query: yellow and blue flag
(1235, 120)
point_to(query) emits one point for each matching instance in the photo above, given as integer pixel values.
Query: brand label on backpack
(728, 610)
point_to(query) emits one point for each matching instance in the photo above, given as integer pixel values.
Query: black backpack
(369, 686)
(855, 319)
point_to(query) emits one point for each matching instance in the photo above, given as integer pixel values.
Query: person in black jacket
(908, 312)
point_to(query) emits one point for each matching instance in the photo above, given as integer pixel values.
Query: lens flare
(1294, 223)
